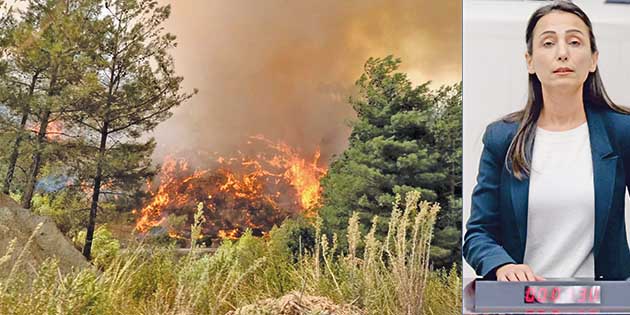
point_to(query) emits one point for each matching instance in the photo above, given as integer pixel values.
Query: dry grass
(391, 276)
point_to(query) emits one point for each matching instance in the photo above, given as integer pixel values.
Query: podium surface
(553, 296)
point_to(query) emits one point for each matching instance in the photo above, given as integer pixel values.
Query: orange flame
(240, 193)
(229, 234)
(54, 129)
(302, 175)
(151, 215)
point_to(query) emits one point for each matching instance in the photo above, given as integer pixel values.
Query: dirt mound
(296, 303)
(19, 227)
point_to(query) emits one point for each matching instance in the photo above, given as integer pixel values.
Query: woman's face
(561, 51)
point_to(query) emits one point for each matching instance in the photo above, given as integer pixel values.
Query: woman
(549, 199)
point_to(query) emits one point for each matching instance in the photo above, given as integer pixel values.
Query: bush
(296, 235)
(104, 246)
(65, 208)
(391, 276)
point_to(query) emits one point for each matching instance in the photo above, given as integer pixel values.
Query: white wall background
(495, 75)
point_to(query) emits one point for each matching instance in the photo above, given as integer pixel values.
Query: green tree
(21, 68)
(6, 22)
(48, 57)
(400, 141)
(447, 129)
(134, 89)
(389, 150)
(25, 66)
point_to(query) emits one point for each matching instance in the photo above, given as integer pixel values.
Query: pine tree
(134, 88)
(22, 66)
(447, 129)
(47, 59)
(404, 138)
(389, 149)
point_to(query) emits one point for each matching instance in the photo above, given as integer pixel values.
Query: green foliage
(444, 292)
(448, 132)
(102, 72)
(159, 272)
(106, 247)
(404, 139)
(295, 237)
(392, 277)
(67, 208)
(140, 90)
(49, 55)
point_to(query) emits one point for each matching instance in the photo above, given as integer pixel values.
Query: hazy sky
(284, 69)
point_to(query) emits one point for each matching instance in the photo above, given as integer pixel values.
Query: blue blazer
(497, 227)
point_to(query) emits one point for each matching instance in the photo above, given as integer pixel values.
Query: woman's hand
(513, 272)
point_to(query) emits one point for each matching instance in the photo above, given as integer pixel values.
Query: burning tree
(133, 89)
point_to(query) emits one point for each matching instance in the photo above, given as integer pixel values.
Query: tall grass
(390, 276)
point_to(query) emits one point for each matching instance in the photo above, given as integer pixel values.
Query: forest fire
(239, 192)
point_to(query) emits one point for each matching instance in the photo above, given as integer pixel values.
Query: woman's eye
(548, 44)
(574, 43)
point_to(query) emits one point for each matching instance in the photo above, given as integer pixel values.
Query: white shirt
(561, 205)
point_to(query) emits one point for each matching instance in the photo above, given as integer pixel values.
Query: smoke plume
(284, 69)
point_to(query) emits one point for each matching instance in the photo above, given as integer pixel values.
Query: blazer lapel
(604, 172)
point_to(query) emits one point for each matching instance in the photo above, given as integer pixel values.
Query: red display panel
(572, 294)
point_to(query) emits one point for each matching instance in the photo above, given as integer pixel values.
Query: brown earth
(19, 227)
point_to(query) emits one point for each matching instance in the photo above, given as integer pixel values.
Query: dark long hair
(518, 157)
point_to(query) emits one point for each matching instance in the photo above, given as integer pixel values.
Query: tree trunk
(96, 190)
(6, 188)
(37, 162)
(39, 147)
(15, 149)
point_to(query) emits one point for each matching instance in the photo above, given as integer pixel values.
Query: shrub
(390, 276)
(104, 246)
